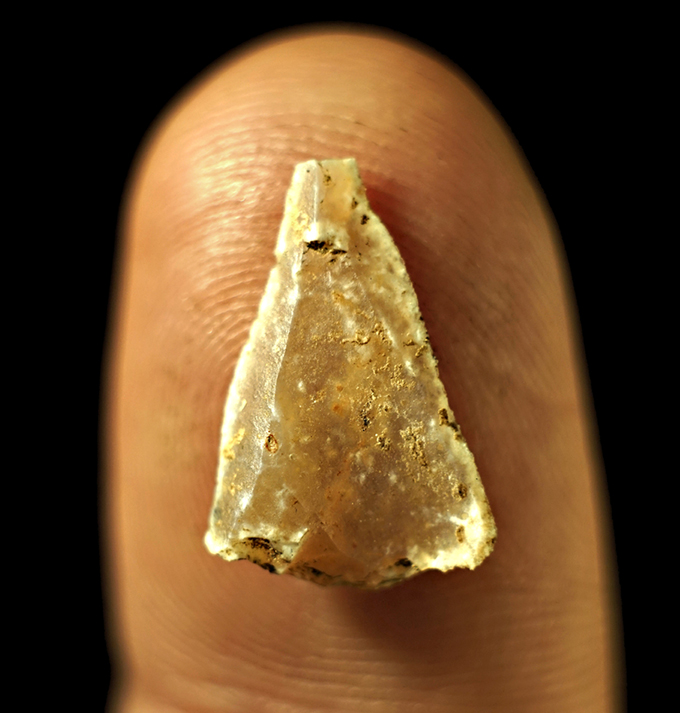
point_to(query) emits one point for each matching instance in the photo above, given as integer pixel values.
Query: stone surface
(340, 460)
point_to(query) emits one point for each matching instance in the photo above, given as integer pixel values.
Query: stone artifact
(340, 460)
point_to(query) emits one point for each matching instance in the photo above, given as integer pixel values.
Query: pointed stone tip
(348, 164)
(319, 204)
(341, 460)
(324, 173)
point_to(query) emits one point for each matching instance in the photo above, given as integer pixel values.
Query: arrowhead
(340, 460)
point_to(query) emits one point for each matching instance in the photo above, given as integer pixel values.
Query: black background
(560, 82)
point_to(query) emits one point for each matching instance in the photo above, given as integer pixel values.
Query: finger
(527, 631)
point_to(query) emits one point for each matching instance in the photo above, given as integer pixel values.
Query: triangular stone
(340, 460)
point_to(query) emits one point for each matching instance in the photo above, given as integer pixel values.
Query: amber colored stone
(340, 460)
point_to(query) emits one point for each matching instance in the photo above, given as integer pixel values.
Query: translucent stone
(340, 459)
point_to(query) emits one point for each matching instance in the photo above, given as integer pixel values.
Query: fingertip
(205, 203)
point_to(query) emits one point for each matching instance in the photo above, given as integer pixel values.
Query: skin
(535, 627)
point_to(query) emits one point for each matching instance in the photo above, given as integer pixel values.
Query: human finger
(529, 629)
